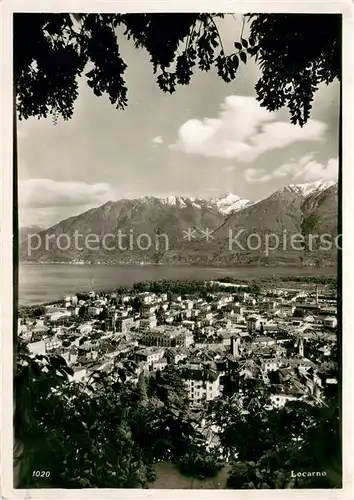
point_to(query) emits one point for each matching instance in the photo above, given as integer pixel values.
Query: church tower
(301, 348)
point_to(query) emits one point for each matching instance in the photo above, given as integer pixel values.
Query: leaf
(235, 61)
(68, 370)
(243, 57)
(238, 45)
(244, 43)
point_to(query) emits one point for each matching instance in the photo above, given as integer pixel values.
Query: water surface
(40, 283)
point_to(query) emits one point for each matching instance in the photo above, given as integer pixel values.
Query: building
(286, 308)
(37, 348)
(147, 298)
(238, 309)
(237, 319)
(53, 346)
(239, 345)
(189, 304)
(145, 324)
(269, 305)
(125, 324)
(202, 384)
(176, 354)
(188, 324)
(307, 308)
(301, 364)
(167, 336)
(149, 355)
(272, 364)
(280, 399)
(94, 310)
(57, 314)
(224, 323)
(110, 324)
(328, 311)
(226, 337)
(330, 322)
(253, 322)
(159, 365)
(148, 318)
(262, 340)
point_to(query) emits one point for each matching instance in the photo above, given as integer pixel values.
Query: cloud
(157, 140)
(44, 193)
(312, 170)
(306, 169)
(256, 175)
(243, 130)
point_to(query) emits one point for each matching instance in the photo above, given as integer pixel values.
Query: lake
(40, 283)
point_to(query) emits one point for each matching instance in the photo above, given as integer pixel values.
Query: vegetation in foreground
(109, 433)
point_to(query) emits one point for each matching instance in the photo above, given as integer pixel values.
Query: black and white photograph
(177, 250)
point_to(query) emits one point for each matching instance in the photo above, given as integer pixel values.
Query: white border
(7, 7)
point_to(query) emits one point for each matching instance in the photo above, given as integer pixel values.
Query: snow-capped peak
(225, 203)
(165, 200)
(230, 203)
(311, 187)
(173, 200)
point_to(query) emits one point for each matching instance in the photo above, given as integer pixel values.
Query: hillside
(162, 225)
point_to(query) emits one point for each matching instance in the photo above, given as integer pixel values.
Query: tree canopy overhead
(295, 52)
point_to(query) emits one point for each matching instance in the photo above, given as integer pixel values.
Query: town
(285, 331)
(223, 340)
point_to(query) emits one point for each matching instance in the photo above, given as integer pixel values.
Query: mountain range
(199, 231)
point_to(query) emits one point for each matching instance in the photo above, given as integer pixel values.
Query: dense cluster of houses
(282, 337)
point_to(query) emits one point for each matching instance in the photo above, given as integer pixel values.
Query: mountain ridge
(295, 209)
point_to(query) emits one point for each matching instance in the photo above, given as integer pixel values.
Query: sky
(207, 139)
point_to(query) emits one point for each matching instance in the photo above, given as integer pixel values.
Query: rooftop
(203, 374)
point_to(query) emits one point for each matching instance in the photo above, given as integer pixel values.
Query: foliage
(105, 433)
(266, 445)
(197, 463)
(136, 304)
(53, 50)
(299, 313)
(255, 288)
(176, 288)
(293, 61)
(169, 388)
(32, 312)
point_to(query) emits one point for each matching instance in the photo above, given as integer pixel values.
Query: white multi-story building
(146, 324)
(262, 340)
(149, 355)
(148, 317)
(330, 322)
(124, 324)
(286, 308)
(272, 364)
(147, 297)
(188, 324)
(202, 384)
(168, 336)
(280, 399)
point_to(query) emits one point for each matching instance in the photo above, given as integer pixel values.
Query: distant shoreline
(179, 264)
(238, 281)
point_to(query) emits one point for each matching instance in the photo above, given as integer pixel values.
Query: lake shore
(40, 284)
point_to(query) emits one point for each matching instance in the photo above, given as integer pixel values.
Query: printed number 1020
(41, 473)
